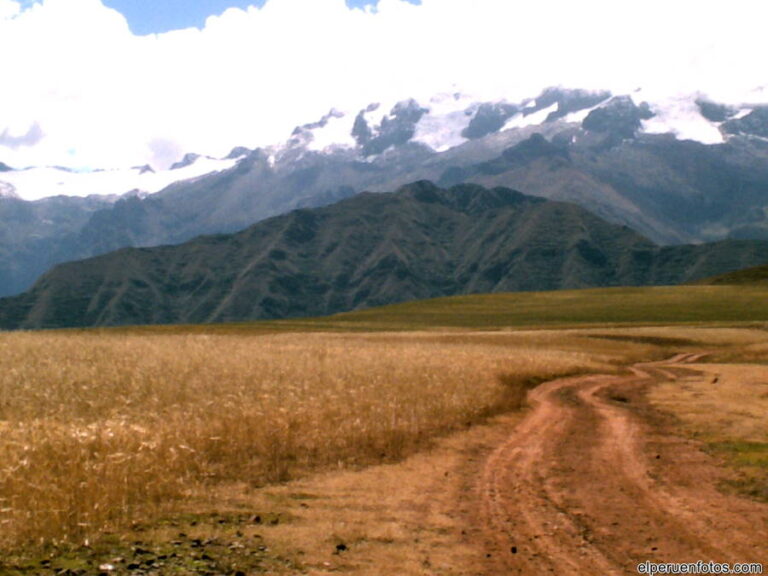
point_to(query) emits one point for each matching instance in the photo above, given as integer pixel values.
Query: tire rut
(575, 490)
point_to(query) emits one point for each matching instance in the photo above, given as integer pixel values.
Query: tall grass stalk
(100, 430)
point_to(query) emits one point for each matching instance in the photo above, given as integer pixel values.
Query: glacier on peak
(521, 120)
(40, 182)
(683, 118)
(442, 122)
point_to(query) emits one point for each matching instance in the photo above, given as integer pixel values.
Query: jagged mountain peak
(620, 116)
(631, 158)
(451, 120)
(447, 121)
(145, 169)
(188, 160)
(238, 152)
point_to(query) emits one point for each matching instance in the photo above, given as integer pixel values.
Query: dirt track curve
(588, 483)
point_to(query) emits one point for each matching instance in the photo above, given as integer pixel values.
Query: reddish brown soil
(594, 481)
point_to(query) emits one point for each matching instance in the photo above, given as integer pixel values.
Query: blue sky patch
(152, 17)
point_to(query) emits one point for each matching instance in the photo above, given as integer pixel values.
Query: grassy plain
(662, 305)
(644, 306)
(104, 430)
(101, 430)
(725, 407)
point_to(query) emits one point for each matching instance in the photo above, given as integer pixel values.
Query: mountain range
(688, 171)
(422, 241)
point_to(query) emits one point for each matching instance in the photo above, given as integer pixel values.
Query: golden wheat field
(101, 429)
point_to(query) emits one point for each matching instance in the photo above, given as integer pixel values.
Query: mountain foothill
(390, 213)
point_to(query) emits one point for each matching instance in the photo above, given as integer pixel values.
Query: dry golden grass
(402, 519)
(726, 407)
(101, 429)
(726, 401)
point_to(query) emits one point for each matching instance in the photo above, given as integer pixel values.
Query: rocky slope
(372, 249)
(690, 171)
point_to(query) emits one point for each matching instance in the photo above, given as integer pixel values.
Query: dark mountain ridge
(672, 191)
(368, 250)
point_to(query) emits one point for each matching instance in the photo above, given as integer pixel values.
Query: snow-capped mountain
(448, 121)
(34, 183)
(678, 170)
(444, 122)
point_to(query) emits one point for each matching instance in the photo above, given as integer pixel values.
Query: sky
(153, 17)
(114, 83)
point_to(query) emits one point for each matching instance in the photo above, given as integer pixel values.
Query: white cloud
(104, 97)
(8, 9)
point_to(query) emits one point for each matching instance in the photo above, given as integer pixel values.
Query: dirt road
(590, 480)
(593, 482)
